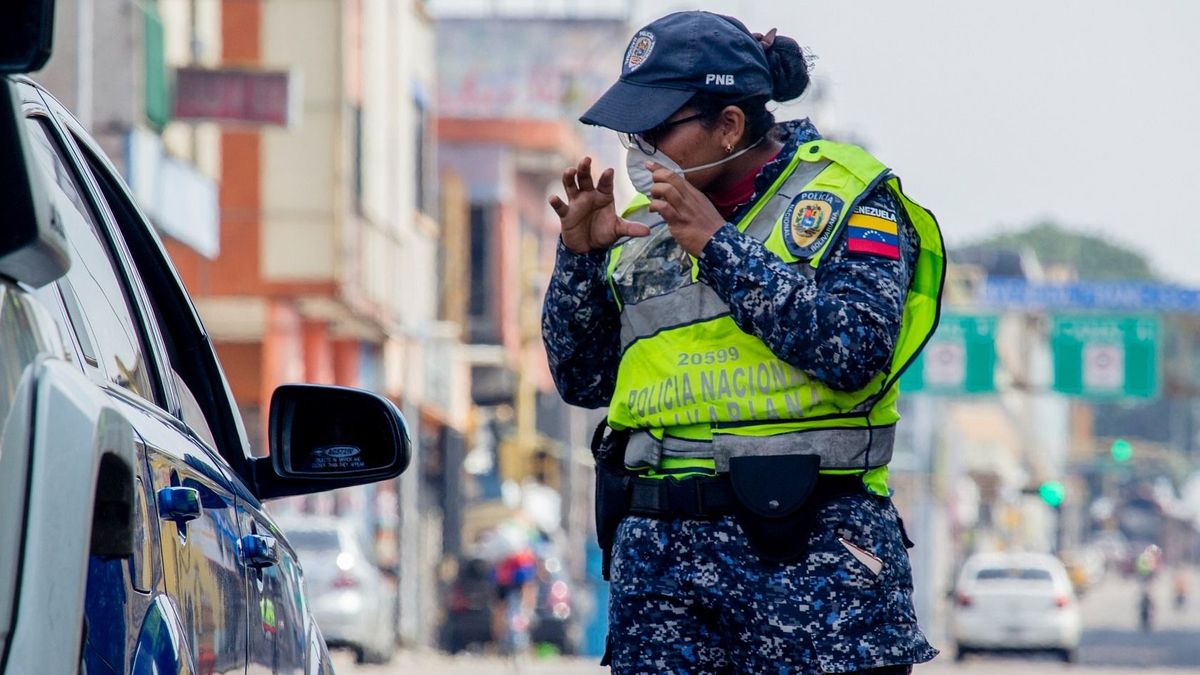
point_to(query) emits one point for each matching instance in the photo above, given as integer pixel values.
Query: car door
(193, 501)
(200, 545)
(273, 615)
(117, 589)
(275, 598)
(56, 429)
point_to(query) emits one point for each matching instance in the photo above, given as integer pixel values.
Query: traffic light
(1052, 492)
(1122, 450)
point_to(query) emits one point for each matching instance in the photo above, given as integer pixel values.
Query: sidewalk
(430, 662)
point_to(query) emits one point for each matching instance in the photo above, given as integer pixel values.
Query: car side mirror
(26, 35)
(33, 247)
(324, 438)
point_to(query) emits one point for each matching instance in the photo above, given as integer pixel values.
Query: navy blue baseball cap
(675, 57)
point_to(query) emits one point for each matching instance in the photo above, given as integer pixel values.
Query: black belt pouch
(773, 506)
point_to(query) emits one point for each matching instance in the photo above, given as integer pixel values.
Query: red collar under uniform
(728, 200)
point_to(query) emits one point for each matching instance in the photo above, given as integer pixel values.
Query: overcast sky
(1003, 113)
(999, 114)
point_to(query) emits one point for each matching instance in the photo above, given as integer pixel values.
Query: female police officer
(745, 320)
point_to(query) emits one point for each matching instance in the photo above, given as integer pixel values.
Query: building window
(482, 328)
(157, 95)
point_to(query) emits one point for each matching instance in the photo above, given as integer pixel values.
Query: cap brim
(632, 108)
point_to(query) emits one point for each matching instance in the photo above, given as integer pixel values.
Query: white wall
(398, 71)
(302, 177)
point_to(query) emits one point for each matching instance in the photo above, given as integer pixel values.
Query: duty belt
(713, 497)
(688, 498)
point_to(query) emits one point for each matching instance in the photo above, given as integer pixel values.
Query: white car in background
(351, 599)
(1015, 602)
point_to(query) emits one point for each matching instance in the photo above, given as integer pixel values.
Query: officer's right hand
(589, 219)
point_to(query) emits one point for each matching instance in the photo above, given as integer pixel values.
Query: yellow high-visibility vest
(699, 390)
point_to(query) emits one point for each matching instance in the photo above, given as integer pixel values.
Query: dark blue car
(132, 525)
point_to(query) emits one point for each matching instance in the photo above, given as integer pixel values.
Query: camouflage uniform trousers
(690, 596)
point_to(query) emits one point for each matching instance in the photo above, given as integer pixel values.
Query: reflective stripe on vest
(688, 372)
(851, 448)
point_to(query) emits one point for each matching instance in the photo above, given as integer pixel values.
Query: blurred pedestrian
(745, 320)
(1180, 586)
(514, 574)
(1145, 608)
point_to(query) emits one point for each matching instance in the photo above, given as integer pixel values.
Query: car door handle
(179, 504)
(259, 550)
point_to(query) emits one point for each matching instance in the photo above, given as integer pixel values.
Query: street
(1111, 645)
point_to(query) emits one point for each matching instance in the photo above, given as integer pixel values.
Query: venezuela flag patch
(873, 233)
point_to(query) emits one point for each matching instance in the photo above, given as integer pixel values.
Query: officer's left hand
(691, 216)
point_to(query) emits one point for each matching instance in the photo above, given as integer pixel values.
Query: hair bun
(789, 68)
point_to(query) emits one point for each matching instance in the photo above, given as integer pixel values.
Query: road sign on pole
(1105, 356)
(960, 358)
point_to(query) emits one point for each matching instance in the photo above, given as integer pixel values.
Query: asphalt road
(1112, 645)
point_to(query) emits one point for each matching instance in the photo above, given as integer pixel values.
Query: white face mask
(643, 179)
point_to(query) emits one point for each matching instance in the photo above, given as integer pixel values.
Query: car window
(70, 303)
(1014, 573)
(93, 293)
(201, 404)
(191, 412)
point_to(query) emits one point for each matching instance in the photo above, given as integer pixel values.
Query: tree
(1092, 257)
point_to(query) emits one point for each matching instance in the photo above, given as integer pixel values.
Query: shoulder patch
(806, 221)
(873, 231)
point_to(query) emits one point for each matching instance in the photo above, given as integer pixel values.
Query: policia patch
(807, 221)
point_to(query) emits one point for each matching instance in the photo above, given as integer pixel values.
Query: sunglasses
(648, 141)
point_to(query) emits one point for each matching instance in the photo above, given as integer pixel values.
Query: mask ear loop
(721, 161)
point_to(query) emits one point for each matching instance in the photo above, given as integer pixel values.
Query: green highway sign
(1105, 356)
(960, 358)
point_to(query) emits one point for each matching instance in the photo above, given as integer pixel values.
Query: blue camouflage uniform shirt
(839, 326)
